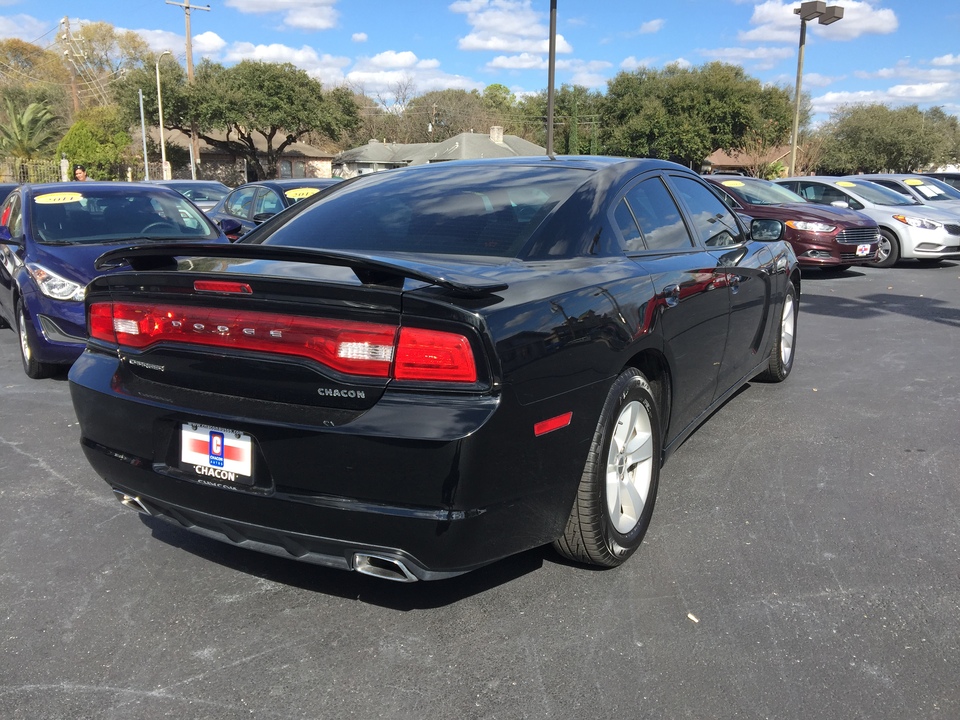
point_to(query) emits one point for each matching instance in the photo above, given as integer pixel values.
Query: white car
(926, 190)
(908, 229)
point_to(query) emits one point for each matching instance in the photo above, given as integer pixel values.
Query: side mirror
(231, 228)
(6, 239)
(840, 204)
(766, 230)
(260, 217)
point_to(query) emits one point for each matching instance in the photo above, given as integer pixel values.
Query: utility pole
(194, 140)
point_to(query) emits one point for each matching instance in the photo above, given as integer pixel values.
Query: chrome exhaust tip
(385, 568)
(134, 503)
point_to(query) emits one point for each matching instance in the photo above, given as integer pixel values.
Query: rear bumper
(439, 506)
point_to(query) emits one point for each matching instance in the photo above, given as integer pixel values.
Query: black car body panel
(441, 476)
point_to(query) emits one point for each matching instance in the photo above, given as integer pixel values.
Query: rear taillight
(354, 348)
(435, 356)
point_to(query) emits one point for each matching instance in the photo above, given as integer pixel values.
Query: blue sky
(890, 51)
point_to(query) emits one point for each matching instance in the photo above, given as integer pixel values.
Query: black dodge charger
(431, 368)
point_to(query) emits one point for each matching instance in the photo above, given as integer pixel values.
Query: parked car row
(824, 238)
(927, 232)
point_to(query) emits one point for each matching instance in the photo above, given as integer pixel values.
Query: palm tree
(26, 135)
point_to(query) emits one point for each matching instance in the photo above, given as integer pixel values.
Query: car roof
(187, 182)
(102, 187)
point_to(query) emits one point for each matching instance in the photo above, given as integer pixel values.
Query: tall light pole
(163, 147)
(194, 140)
(813, 10)
(551, 70)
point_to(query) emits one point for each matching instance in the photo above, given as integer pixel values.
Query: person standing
(80, 173)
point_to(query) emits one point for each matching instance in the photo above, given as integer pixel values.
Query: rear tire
(31, 366)
(889, 252)
(618, 487)
(782, 352)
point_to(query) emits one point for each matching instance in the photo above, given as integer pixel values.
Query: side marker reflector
(554, 423)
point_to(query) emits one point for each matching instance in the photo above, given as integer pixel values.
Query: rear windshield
(115, 214)
(456, 210)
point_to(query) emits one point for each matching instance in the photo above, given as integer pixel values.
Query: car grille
(855, 236)
(953, 229)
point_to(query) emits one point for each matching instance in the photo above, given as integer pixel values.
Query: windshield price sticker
(216, 453)
(301, 193)
(59, 198)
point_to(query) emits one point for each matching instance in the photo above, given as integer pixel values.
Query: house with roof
(376, 155)
(299, 160)
(745, 163)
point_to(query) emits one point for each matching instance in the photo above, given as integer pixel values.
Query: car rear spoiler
(369, 270)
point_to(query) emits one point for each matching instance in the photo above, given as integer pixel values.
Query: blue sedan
(50, 236)
(249, 205)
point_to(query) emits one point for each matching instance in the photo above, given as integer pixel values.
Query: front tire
(781, 354)
(618, 487)
(889, 252)
(31, 366)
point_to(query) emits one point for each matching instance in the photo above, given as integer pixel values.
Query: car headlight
(811, 226)
(54, 286)
(916, 222)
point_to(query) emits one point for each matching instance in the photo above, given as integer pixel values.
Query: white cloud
(508, 26)
(919, 94)
(652, 27)
(328, 69)
(812, 79)
(359, 37)
(946, 60)
(523, 61)
(762, 58)
(301, 14)
(775, 21)
(632, 63)
(22, 26)
(208, 44)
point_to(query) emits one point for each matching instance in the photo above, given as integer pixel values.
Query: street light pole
(551, 71)
(163, 147)
(813, 10)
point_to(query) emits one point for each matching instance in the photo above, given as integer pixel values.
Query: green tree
(685, 114)
(449, 112)
(28, 134)
(877, 138)
(98, 140)
(32, 74)
(253, 110)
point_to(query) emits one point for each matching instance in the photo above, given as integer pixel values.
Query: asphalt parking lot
(803, 562)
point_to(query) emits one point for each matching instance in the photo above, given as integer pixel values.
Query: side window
(239, 202)
(268, 202)
(657, 215)
(12, 217)
(713, 220)
(632, 239)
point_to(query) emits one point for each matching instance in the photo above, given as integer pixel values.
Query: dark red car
(829, 238)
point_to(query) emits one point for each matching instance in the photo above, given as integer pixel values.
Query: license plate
(217, 454)
(863, 250)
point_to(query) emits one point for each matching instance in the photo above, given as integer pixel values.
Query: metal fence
(34, 171)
